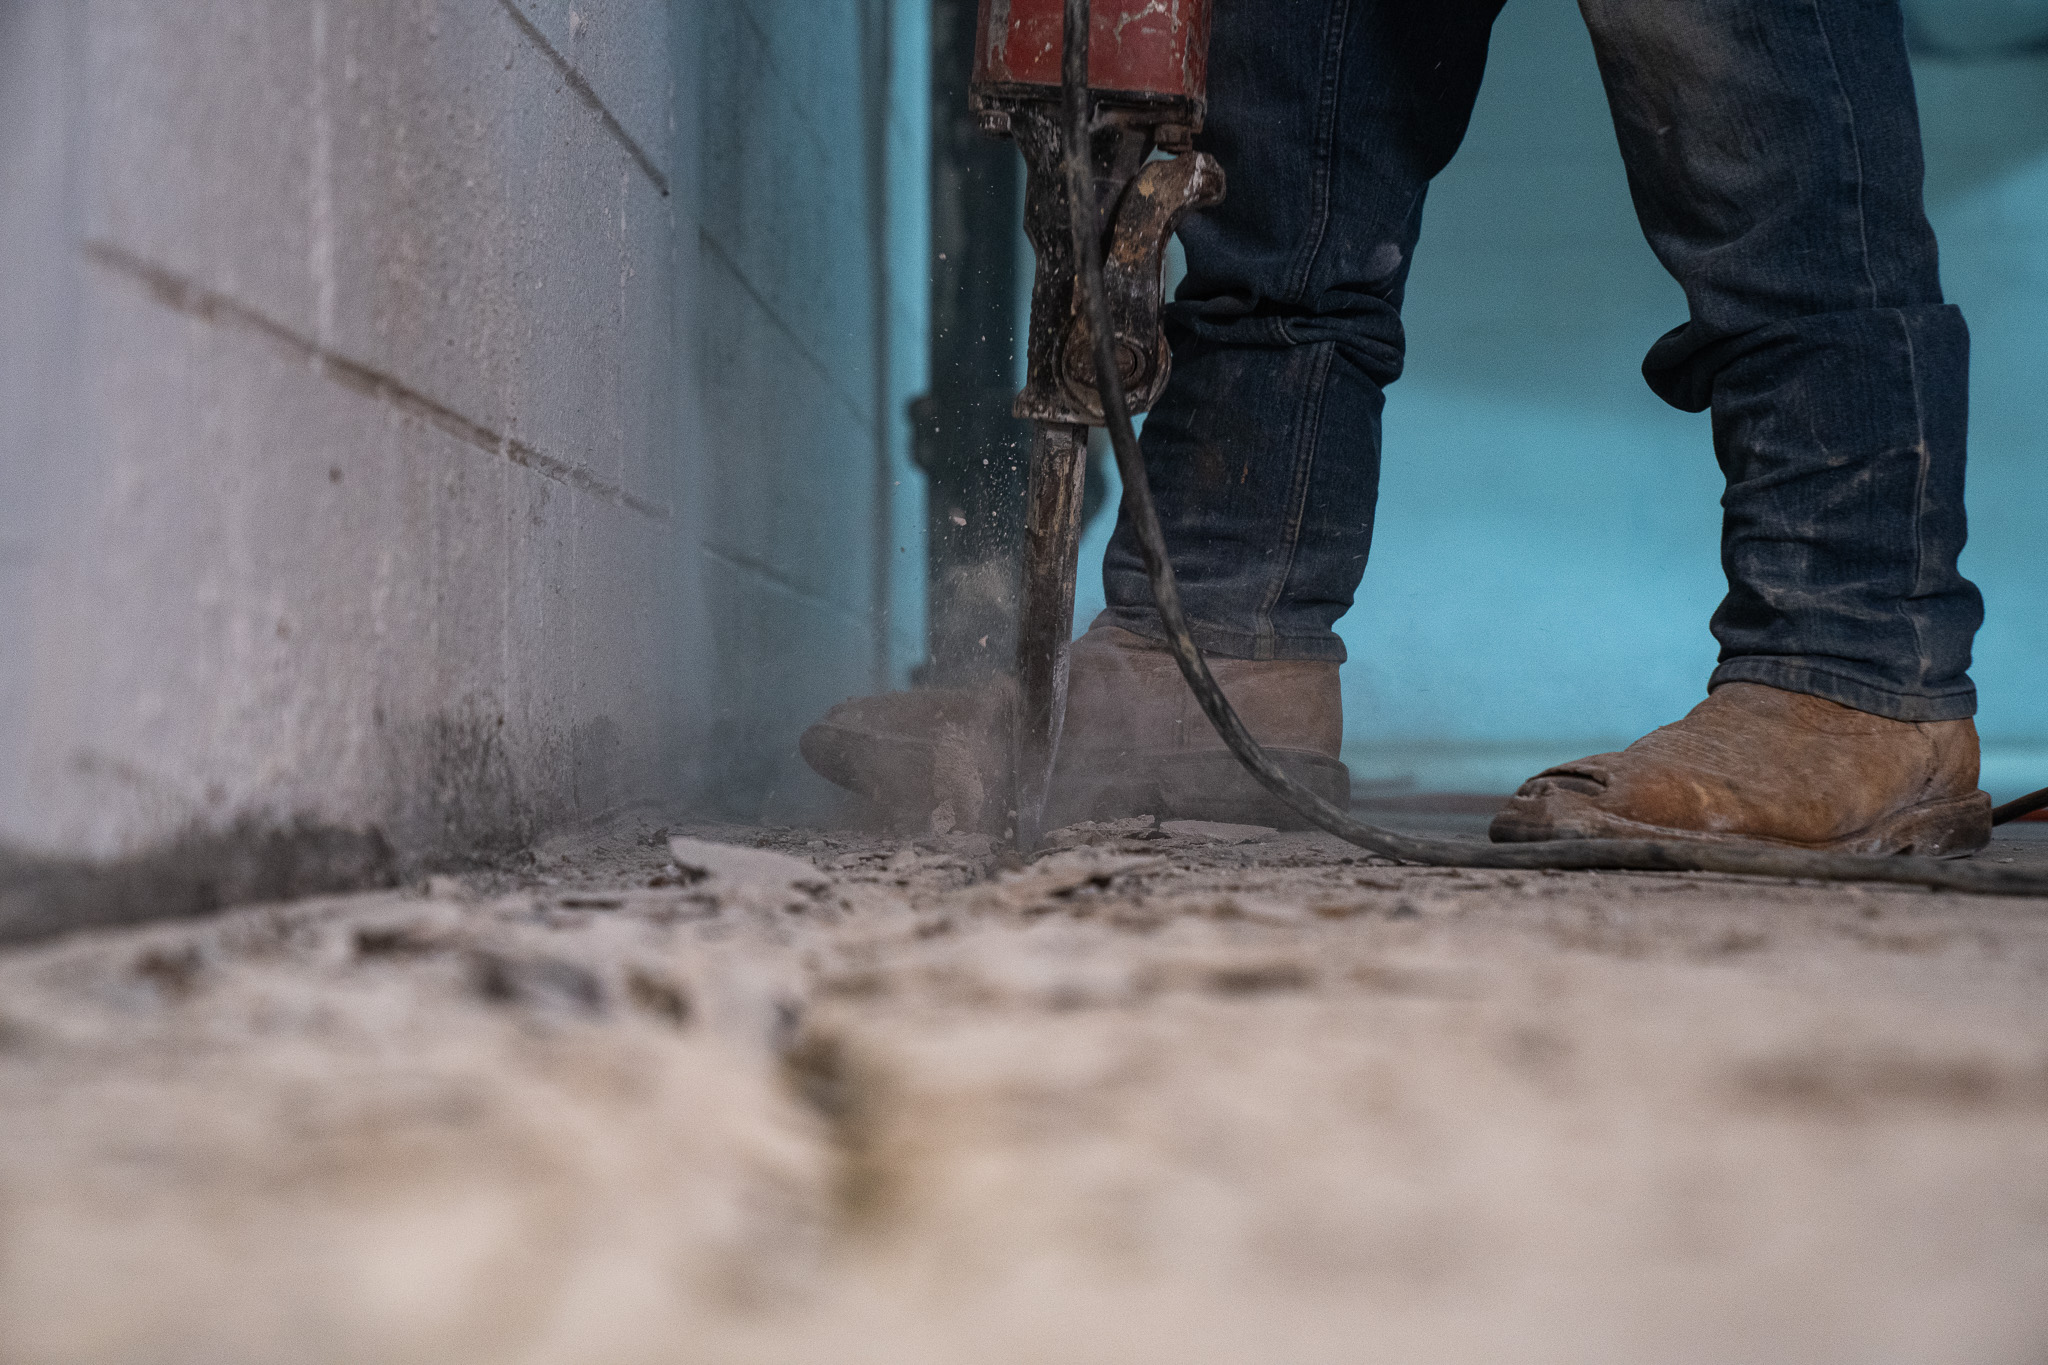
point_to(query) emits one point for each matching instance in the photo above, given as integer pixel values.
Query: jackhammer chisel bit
(1147, 80)
(1045, 622)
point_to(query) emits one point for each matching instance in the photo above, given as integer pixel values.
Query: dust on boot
(941, 754)
(1135, 742)
(1761, 764)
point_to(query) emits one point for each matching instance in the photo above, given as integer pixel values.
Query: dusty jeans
(1773, 150)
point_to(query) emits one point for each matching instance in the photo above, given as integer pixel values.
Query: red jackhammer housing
(1149, 63)
(1143, 55)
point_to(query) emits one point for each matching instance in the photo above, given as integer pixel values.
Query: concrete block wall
(811, 330)
(446, 419)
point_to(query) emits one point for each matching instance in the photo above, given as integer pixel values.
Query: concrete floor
(1159, 1096)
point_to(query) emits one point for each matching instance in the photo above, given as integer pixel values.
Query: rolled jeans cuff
(1229, 644)
(1797, 675)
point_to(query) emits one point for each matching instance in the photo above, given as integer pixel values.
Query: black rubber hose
(1617, 855)
(2026, 805)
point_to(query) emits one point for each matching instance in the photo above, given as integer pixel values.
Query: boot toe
(869, 745)
(1559, 803)
(914, 752)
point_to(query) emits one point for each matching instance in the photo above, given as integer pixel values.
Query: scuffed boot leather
(1761, 764)
(937, 754)
(1136, 742)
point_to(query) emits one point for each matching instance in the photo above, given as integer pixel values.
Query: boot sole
(1954, 827)
(1208, 785)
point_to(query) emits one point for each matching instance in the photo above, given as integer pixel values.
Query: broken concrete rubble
(756, 1095)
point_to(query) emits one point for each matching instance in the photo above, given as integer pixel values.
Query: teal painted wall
(1546, 559)
(1986, 124)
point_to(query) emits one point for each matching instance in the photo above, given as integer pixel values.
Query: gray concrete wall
(811, 331)
(448, 418)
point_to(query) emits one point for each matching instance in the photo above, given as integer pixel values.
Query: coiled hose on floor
(1568, 854)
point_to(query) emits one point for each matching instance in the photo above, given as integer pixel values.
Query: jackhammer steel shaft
(1045, 623)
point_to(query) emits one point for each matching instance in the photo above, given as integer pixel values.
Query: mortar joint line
(779, 578)
(775, 318)
(583, 90)
(194, 300)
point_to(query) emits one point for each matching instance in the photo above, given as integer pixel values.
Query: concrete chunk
(732, 867)
(1216, 832)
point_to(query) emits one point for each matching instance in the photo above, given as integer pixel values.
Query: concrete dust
(1164, 1093)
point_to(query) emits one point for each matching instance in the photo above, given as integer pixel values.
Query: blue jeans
(1773, 151)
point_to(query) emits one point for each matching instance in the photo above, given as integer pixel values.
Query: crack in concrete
(185, 296)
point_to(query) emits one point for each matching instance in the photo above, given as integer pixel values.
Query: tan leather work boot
(935, 754)
(1135, 742)
(1758, 763)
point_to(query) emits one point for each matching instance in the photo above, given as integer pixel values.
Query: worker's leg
(1330, 117)
(1773, 150)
